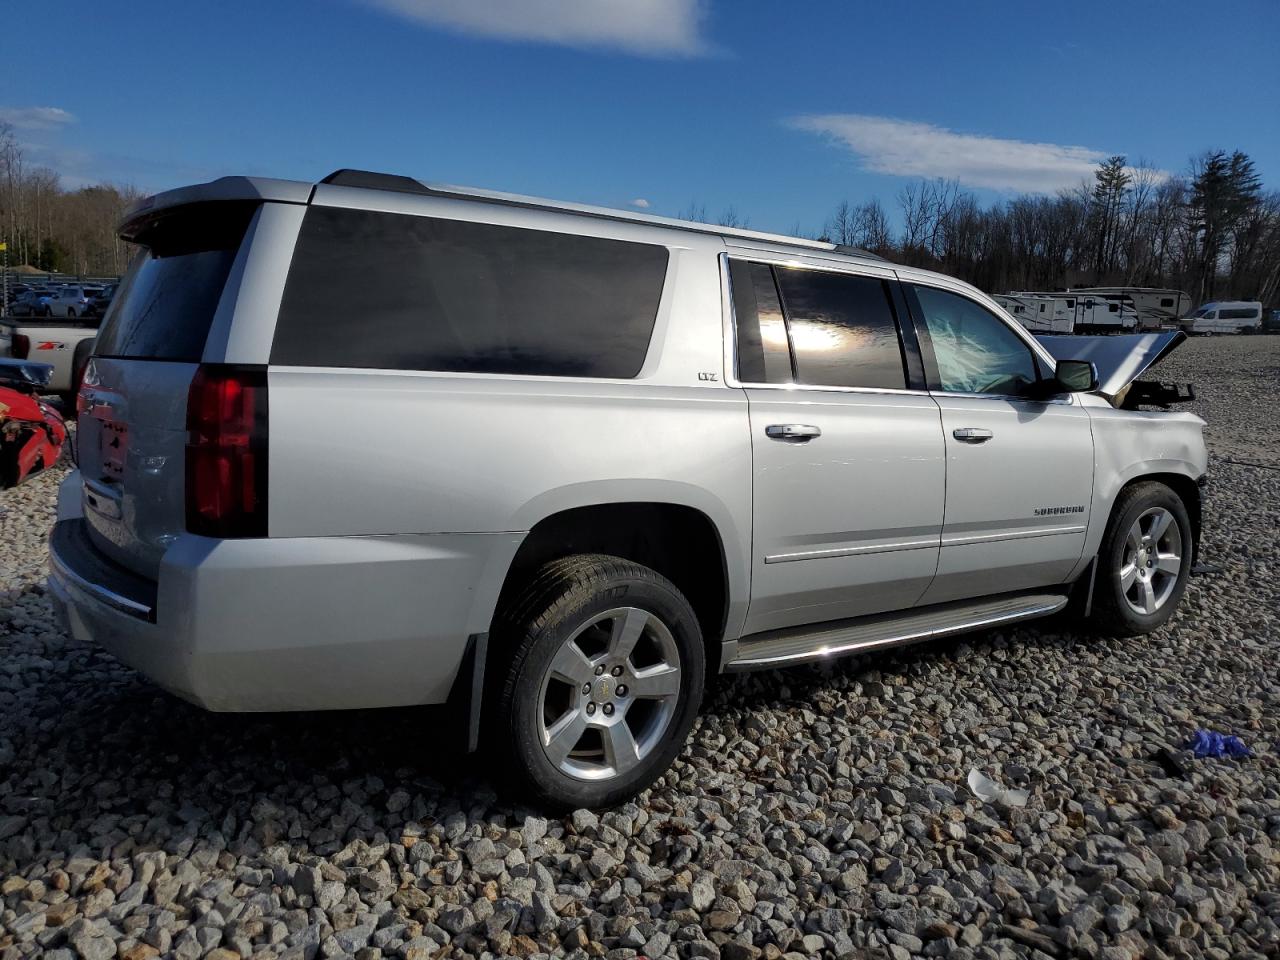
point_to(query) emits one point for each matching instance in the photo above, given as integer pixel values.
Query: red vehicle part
(32, 432)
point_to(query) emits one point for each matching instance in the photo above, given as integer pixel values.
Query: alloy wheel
(608, 696)
(1151, 561)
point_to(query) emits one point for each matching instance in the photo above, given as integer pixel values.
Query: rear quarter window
(394, 291)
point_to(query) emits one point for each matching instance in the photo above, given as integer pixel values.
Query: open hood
(1120, 358)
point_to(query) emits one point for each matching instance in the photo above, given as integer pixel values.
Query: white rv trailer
(1069, 312)
(1039, 313)
(1225, 316)
(1155, 306)
(1099, 315)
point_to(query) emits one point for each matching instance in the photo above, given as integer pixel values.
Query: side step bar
(781, 648)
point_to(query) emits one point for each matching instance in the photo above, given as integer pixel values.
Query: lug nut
(617, 671)
(586, 688)
(608, 709)
(622, 689)
(591, 709)
(599, 669)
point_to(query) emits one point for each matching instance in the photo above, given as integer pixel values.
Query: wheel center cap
(603, 688)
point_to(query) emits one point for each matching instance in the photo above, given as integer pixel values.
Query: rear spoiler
(221, 190)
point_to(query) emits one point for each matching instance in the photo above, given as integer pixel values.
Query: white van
(1225, 316)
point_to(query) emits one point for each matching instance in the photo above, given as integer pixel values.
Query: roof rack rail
(401, 184)
(377, 181)
(851, 250)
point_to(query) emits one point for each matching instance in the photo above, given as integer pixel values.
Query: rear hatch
(132, 426)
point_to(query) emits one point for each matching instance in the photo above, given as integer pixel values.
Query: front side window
(399, 292)
(974, 350)
(842, 329)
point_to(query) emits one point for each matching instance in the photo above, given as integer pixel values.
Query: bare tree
(697, 212)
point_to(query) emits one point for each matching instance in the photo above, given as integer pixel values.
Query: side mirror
(1076, 376)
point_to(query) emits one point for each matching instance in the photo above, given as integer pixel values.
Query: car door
(1019, 462)
(847, 451)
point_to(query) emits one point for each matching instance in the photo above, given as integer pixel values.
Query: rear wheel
(602, 681)
(71, 313)
(1145, 560)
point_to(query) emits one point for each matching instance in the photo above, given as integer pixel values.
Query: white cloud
(35, 118)
(649, 27)
(908, 149)
(641, 202)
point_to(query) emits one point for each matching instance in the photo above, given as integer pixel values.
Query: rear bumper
(286, 624)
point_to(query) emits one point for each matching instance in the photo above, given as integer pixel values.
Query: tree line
(1211, 231)
(55, 229)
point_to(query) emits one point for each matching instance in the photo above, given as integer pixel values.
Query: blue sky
(776, 109)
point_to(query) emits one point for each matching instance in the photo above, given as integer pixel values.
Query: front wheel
(1144, 561)
(600, 682)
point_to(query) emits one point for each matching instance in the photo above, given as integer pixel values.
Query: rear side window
(842, 329)
(165, 304)
(392, 291)
(1238, 313)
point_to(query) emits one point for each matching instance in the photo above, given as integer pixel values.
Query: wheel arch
(679, 541)
(695, 545)
(1187, 490)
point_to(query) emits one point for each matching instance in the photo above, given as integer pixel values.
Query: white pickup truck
(63, 344)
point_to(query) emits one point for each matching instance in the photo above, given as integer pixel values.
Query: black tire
(1113, 613)
(556, 605)
(71, 313)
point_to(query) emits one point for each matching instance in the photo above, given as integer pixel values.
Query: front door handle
(972, 434)
(792, 432)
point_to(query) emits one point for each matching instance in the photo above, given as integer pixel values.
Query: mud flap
(467, 696)
(1080, 604)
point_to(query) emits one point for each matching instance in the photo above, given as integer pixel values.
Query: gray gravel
(814, 811)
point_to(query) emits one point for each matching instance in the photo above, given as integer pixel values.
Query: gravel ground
(814, 811)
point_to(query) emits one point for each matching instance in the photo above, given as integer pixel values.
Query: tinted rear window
(842, 327)
(392, 291)
(165, 303)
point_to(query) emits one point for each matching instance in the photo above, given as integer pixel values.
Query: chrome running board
(780, 648)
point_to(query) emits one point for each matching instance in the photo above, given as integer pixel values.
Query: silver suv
(368, 442)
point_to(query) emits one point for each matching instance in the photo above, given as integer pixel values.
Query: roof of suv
(297, 191)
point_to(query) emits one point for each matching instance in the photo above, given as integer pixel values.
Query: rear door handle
(792, 432)
(972, 434)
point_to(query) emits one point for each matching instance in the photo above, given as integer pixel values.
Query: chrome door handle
(793, 432)
(972, 434)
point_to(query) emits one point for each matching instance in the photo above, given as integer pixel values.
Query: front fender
(1132, 444)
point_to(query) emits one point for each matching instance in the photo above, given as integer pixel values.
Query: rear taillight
(20, 348)
(226, 489)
